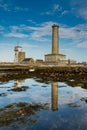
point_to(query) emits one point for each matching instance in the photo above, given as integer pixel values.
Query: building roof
(28, 59)
(39, 59)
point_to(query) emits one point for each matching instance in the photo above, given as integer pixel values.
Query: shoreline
(73, 76)
(48, 72)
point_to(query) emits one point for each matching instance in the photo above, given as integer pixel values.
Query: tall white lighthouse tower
(17, 50)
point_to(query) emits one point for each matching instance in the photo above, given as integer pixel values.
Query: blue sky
(28, 23)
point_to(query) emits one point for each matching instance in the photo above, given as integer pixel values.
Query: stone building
(39, 62)
(54, 57)
(28, 61)
(21, 57)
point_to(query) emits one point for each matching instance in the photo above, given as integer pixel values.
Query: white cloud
(66, 32)
(14, 28)
(20, 9)
(66, 50)
(64, 12)
(28, 45)
(23, 44)
(17, 35)
(1, 30)
(82, 45)
(39, 33)
(31, 21)
(55, 9)
(74, 33)
(79, 8)
(43, 32)
(83, 13)
(11, 7)
(5, 7)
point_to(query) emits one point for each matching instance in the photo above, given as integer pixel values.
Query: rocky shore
(45, 73)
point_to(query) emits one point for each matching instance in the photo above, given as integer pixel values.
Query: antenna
(17, 43)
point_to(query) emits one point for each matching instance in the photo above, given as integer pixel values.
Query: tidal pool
(29, 104)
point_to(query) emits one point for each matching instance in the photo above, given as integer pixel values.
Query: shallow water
(28, 104)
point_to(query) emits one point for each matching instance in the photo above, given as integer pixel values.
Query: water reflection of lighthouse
(54, 92)
(18, 83)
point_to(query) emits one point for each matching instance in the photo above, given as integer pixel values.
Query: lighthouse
(55, 58)
(55, 39)
(19, 54)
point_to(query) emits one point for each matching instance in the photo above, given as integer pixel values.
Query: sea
(34, 104)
